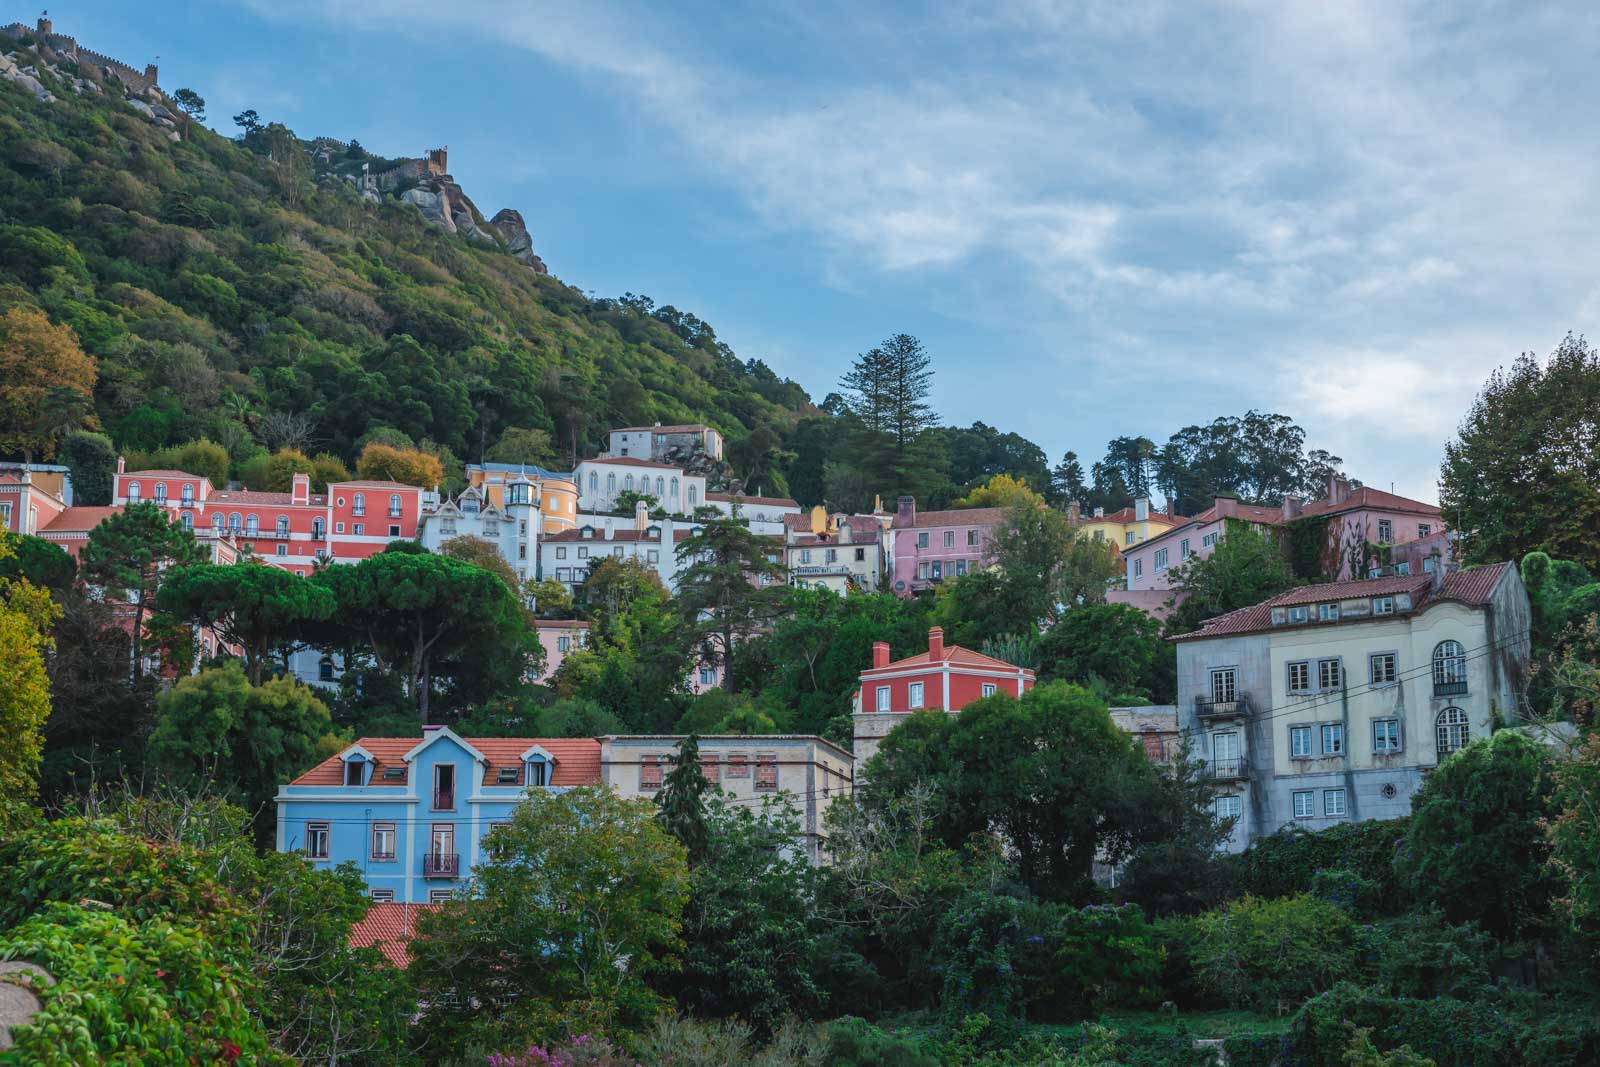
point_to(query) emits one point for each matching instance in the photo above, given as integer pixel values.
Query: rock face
(519, 242)
(442, 202)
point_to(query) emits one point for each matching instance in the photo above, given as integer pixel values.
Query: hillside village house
(656, 442)
(801, 770)
(945, 676)
(762, 514)
(1330, 703)
(1124, 527)
(1355, 518)
(32, 495)
(935, 545)
(602, 479)
(559, 638)
(412, 812)
(836, 552)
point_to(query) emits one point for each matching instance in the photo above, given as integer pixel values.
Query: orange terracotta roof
(577, 760)
(252, 496)
(776, 501)
(1127, 515)
(560, 624)
(960, 517)
(375, 484)
(389, 928)
(955, 656)
(599, 536)
(1376, 499)
(1474, 587)
(161, 474)
(686, 427)
(80, 520)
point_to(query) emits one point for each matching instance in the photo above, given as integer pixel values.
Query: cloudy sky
(1102, 218)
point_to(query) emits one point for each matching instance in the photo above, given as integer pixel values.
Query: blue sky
(1102, 218)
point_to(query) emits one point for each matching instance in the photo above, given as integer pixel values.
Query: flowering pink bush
(581, 1051)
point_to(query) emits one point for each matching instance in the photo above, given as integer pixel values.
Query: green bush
(1285, 863)
(1076, 962)
(1357, 895)
(1255, 953)
(857, 1043)
(1420, 954)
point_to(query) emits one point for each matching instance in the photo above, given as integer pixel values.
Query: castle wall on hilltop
(45, 33)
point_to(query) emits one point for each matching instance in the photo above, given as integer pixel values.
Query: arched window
(252, 525)
(235, 523)
(627, 483)
(188, 521)
(218, 521)
(283, 526)
(672, 491)
(360, 504)
(1449, 668)
(394, 505)
(611, 484)
(188, 492)
(133, 492)
(660, 486)
(1452, 729)
(694, 495)
(319, 527)
(325, 669)
(594, 481)
(161, 492)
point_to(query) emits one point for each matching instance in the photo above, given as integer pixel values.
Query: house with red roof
(412, 812)
(1330, 703)
(945, 676)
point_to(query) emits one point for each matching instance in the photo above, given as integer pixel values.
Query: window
(972, 538)
(1300, 677)
(1385, 736)
(1228, 807)
(627, 484)
(832, 556)
(338, 527)
(1327, 613)
(394, 531)
(1385, 531)
(1138, 568)
(922, 540)
(218, 522)
(235, 523)
(961, 567)
(161, 492)
(1333, 802)
(1127, 538)
(317, 834)
(650, 773)
(617, 552)
(738, 765)
(1402, 568)
(383, 840)
(359, 504)
(1298, 614)
(1452, 730)
(949, 539)
(914, 695)
(708, 676)
(538, 773)
(353, 771)
(922, 571)
(694, 495)
(583, 552)
(1449, 669)
(805, 555)
(319, 528)
(1424, 529)
(394, 505)
(522, 551)
(1183, 549)
(563, 644)
(381, 896)
(188, 524)
(325, 669)
(1383, 605)
(1223, 686)
(1305, 803)
(133, 492)
(766, 773)
(187, 493)
(5, 516)
(1300, 742)
(1430, 565)
(1381, 668)
(282, 525)
(359, 529)
(1332, 739)
(444, 787)
(441, 896)
(561, 552)
(1329, 676)
(938, 570)
(989, 689)
(883, 698)
(1208, 541)
(1161, 559)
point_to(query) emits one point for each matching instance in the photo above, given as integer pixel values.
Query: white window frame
(1383, 605)
(1331, 732)
(1161, 559)
(319, 829)
(1305, 803)
(915, 695)
(884, 697)
(1330, 675)
(1327, 612)
(380, 828)
(990, 689)
(1386, 738)
(1302, 667)
(1299, 613)
(1383, 668)
(1333, 803)
(1297, 750)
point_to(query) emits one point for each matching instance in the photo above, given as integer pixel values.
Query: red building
(948, 677)
(351, 521)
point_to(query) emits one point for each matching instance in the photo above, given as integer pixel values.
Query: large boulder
(519, 242)
(433, 205)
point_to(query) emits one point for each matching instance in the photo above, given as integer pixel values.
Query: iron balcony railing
(440, 865)
(444, 799)
(1450, 689)
(1238, 707)
(1227, 770)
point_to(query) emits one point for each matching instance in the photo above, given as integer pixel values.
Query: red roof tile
(252, 496)
(955, 656)
(599, 536)
(161, 474)
(577, 759)
(1127, 515)
(389, 928)
(560, 624)
(1376, 499)
(685, 427)
(79, 520)
(630, 461)
(960, 517)
(777, 501)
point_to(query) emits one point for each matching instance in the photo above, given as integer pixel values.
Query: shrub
(1079, 961)
(857, 1043)
(1254, 953)
(1285, 863)
(1357, 895)
(1421, 955)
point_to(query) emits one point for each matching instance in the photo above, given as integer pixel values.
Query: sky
(1101, 218)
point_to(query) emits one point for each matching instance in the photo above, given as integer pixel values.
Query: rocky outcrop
(518, 241)
(56, 56)
(442, 202)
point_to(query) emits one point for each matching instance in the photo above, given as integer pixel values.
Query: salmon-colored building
(945, 676)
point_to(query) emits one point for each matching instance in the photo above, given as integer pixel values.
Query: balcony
(395, 513)
(1237, 708)
(444, 800)
(441, 865)
(1450, 689)
(1227, 770)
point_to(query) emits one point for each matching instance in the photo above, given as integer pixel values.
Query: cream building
(837, 552)
(1330, 703)
(806, 771)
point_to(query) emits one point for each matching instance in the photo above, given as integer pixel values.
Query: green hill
(247, 293)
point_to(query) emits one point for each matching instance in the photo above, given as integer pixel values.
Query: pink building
(31, 497)
(351, 521)
(935, 545)
(559, 637)
(1356, 517)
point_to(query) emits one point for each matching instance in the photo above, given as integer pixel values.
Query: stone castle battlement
(68, 46)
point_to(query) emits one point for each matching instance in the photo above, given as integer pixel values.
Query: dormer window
(588, 532)
(355, 770)
(506, 776)
(538, 773)
(1298, 614)
(1383, 605)
(1327, 613)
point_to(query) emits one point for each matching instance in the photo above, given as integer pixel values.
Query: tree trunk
(138, 635)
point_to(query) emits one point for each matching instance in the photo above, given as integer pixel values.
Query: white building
(655, 442)
(1330, 703)
(837, 552)
(603, 479)
(512, 528)
(764, 514)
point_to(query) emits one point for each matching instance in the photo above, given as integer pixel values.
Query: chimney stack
(1338, 490)
(301, 488)
(1141, 509)
(1292, 506)
(936, 644)
(906, 512)
(641, 515)
(880, 654)
(1074, 513)
(610, 533)
(122, 465)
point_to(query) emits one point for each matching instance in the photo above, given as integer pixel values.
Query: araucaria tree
(126, 554)
(890, 451)
(723, 594)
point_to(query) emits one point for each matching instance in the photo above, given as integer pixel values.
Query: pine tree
(1066, 480)
(721, 595)
(682, 800)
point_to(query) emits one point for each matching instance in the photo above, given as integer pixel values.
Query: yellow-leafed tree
(46, 383)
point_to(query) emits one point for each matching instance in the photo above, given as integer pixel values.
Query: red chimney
(905, 515)
(936, 644)
(880, 654)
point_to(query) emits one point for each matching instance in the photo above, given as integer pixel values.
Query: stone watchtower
(438, 162)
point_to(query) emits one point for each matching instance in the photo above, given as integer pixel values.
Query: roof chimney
(1074, 513)
(610, 533)
(1141, 509)
(880, 654)
(302, 487)
(641, 515)
(122, 465)
(1338, 490)
(1099, 513)
(936, 644)
(906, 512)
(1291, 507)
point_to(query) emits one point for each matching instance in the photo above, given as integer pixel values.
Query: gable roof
(80, 520)
(686, 427)
(161, 474)
(630, 461)
(1376, 499)
(776, 501)
(1474, 587)
(954, 656)
(577, 759)
(389, 928)
(252, 496)
(1123, 516)
(958, 517)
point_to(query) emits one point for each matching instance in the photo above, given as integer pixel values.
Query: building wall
(1250, 657)
(1148, 570)
(968, 547)
(654, 444)
(600, 483)
(943, 685)
(559, 638)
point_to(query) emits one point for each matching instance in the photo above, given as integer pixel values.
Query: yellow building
(1129, 526)
(557, 494)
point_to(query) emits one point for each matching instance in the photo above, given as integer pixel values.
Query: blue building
(412, 812)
